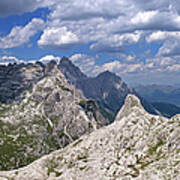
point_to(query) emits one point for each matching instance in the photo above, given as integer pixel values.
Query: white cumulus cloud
(48, 58)
(57, 37)
(20, 35)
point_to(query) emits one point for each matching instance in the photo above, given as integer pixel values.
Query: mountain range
(107, 88)
(46, 107)
(160, 93)
(165, 98)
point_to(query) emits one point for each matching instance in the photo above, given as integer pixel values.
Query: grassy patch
(51, 165)
(77, 142)
(58, 82)
(82, 157)
(153, 149)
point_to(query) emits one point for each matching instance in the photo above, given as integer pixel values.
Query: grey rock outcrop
(16, 78)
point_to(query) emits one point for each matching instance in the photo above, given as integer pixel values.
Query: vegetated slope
(160, 93)
(136, 146)
(40, 112)
(107, 88)
(166, 109)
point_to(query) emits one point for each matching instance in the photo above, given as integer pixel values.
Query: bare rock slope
(137, 146)
(40, 112)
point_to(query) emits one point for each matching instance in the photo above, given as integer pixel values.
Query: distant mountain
(160, 93)
(137, 146)
(177, 85)
(70, 71)
(107, 88)
(166, 109)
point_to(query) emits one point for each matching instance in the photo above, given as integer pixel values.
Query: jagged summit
(132, 104)
(132, 100)
(70, 71)
(139, 146)
(51, 66)
(64, 59)
(107, 88)
(108, 74)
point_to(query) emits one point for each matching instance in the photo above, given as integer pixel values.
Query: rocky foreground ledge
(136, 146)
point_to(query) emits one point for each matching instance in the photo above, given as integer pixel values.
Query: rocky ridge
(137, 146)
(40, 112)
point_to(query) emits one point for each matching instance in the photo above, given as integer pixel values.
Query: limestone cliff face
(40, 112)
(137, 146)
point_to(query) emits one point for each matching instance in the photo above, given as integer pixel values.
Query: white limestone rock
(136, 146)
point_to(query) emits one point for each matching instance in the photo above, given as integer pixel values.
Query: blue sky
(138, 40)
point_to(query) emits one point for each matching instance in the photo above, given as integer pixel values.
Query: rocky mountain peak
(132, 101)
(16, 78)
(107, 88)
(132, 104)
(107, 74)
(109, 78)
(40, 112)
(65, 60)
(51, 67)
(70, 71)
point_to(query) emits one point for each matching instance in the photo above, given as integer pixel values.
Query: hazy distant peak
(108, 74)
(71, 72)
(65, 60)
